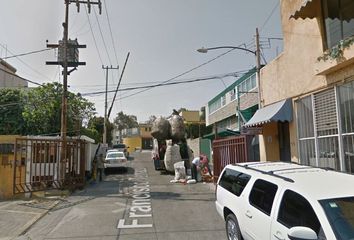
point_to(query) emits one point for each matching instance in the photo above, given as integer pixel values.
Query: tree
(42, 111)
(152, 118)
(95, 129)
(11, 107)
(123, 121)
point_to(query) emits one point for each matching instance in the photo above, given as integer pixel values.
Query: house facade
(135, 138)
(307, 111)
(225, 110)
(8, 77)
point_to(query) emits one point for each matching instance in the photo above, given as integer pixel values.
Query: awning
(221, 134)
(308, 9)
(281, 111)
(248, 113)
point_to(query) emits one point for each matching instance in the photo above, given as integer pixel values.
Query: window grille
(326, 113)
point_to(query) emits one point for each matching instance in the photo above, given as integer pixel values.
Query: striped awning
(308, 9)
(281, 111)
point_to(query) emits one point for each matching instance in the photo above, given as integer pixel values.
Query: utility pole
(258, 68)
(68, 49)
(105, 104)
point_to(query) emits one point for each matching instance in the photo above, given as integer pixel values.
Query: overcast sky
(162, 37)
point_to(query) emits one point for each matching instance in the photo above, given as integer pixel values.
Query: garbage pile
(177, 155)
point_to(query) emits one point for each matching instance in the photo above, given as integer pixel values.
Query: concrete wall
(8, 77)
(224, 112)
(292, 73)
(133, 143)
(194, 144)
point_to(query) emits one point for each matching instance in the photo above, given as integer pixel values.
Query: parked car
(115, 159)
(122, 148)
(278, 200)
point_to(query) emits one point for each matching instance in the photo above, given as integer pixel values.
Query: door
(294, 210)
(284, 141)
(258, 211)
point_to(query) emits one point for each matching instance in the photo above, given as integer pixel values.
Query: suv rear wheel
(232, 229)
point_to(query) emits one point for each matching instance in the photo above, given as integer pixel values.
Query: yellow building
(7, 155)
(139, 139)
(307, 92)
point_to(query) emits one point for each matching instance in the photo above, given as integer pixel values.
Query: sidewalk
(18, 215)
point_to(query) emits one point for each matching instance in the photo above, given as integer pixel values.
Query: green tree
(42, 111)
(95, 129)
(11, 107)
(152, 118)
(123, 121)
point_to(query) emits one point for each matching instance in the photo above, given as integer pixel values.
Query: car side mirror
(302, 233)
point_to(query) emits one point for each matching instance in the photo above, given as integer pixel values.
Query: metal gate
(39, 166)
(228, 151)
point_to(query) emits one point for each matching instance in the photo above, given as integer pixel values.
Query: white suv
(278, 201)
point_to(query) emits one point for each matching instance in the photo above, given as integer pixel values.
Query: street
(138, 204)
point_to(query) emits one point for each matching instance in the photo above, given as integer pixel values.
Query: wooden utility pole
(64, 48)
(105, 104)
(258, 68)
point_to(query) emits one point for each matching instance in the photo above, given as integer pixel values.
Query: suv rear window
(262, 195)
(119, 146)
(234, 181)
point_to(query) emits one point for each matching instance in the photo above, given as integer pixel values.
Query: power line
(270, 15)
(165, 84)
(24, 79)
(34, 70)
(104, 42)
(28, 53)
(182, 74)
(110, 30)
(93, 36)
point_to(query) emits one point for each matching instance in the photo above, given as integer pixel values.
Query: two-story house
(307, 91)
(227, 110)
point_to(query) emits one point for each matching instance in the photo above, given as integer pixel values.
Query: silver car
(115, 160)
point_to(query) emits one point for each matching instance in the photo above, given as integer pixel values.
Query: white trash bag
(180, 171)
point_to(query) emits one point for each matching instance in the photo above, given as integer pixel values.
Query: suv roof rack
(270, 173)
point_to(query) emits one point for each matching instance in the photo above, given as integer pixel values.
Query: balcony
(328, 66)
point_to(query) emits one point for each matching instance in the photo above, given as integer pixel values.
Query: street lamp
(205, 50)
(256, 53)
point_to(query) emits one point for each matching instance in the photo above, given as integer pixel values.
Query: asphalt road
(138, 204)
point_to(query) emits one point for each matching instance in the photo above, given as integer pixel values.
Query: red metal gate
(39, 166)
(228, 151)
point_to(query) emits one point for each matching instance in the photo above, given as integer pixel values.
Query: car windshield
(340, 214)
(119, 146)
(115, 155)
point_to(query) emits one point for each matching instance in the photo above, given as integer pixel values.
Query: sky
(162, 37)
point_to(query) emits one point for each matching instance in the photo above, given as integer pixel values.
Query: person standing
(197, 164)
(100, 166)
(195, 168)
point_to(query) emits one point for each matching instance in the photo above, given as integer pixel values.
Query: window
(223, 99)
(7, 148)
(232, 94)
(234, 181)
(325, 122)
(295, 210)
(262, 195)
(340, 213)
(215, 105)
(338, 20)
